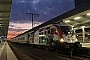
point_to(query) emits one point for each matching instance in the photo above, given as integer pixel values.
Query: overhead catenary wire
(23, 11)
(27, 7)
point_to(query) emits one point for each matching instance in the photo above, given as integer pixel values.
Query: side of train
(50, 37)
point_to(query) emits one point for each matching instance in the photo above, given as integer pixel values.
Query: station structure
(78, 18)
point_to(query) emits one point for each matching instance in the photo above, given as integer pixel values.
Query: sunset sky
(48, 9)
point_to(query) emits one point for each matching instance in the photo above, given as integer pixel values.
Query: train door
(30, 38)
(36, 37)
(54, 35)
(42, 36)
(28, 35)
(47, 32)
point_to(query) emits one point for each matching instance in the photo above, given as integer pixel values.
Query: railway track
(27, 53)
(83, 53)
(74, 57)
(23, 55)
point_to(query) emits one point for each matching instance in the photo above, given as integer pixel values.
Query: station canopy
(79, 20)
(78, 17)
(5, 9)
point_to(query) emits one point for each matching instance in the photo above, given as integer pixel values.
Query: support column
(83, 31)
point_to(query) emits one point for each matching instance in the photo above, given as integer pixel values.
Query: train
(50, 37)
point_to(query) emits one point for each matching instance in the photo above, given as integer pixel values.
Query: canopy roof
(5, 9)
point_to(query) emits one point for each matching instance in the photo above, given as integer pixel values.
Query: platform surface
(85, 45)
(6, 52)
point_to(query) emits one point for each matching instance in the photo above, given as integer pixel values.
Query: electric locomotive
(51, 37)
(56, 35)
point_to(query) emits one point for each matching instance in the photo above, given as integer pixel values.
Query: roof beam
(4, 16)
(1, 3)
(4, 11)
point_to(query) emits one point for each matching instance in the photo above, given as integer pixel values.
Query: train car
(58, 35)
(51, 37)
(20, 39)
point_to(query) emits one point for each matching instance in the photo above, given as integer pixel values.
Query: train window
(66, 29)
(41, 39)
(39, 33)
(79, 31)
(42, 33)
(45, 32)
(87, 29)
(53, 30)
(48, 31)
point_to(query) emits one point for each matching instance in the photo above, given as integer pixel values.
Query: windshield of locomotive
(66, 30)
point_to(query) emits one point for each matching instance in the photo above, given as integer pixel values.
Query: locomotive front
(65, 35)
(69, 37)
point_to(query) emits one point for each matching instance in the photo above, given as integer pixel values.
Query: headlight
(76, 40)
(61, 40)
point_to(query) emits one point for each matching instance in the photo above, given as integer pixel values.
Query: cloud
(35, 1)
(20, 1)
(11, 25)
(17, 30)
(21, 26)
(25, 26)
(12, 34)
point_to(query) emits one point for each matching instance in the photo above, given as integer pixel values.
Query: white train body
(61, 33)
(50, 35)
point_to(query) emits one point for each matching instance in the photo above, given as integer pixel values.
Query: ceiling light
(88, 13)
(88, 34)
(0, 24)
(77, 18)
(67, 21)
(82, 26)
(72, 26)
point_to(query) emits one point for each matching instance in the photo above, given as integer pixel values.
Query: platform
(85, 45)
(6, 52)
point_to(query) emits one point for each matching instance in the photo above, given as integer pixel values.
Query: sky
(46, 10)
